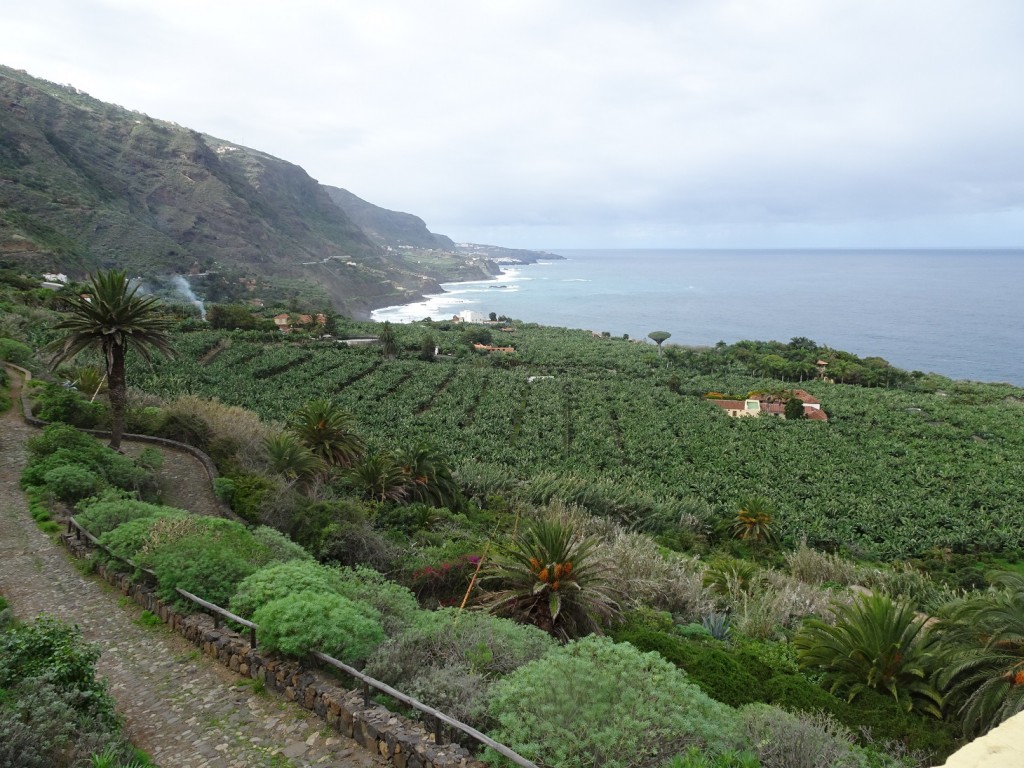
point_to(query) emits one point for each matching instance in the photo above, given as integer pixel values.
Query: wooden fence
(439, 719)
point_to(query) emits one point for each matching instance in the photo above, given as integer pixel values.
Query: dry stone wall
(405, 743)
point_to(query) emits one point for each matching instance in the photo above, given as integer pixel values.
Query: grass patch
(148, 619)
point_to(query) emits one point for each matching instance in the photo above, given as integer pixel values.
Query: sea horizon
(951, 311)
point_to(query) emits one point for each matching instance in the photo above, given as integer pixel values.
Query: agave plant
(550, 576)
(875, 643)
(982, 644)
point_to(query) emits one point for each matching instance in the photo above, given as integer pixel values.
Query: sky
(590, 123)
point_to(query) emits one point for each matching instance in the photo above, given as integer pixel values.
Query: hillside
(86, 185)
(388, 228)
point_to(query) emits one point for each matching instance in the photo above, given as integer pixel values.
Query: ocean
(959, 313)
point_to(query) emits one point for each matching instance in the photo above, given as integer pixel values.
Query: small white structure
(469, 316)
(57, 277)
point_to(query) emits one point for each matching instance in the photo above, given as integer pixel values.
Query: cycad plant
(329, 431)
(550, 576)
(113, 319)
(875, 643)
(982, 649)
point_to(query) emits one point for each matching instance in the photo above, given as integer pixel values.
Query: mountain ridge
(88, 185)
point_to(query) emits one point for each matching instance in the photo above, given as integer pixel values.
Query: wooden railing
(439, 718)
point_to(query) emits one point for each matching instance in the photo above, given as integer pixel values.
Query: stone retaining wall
(405, 743)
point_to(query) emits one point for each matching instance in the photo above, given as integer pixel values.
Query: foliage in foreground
(595, 697)
(54, 713)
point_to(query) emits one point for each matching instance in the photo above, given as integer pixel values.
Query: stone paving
(182, 708)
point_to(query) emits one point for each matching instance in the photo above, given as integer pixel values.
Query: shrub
(98, 517)
(595, 697)
(52, 649)
(279, 547)
(58, 404)
(248, 492)
(206, 556)
(279, 580)
(395, 603)
(15, 352)
(450, 658)
(785, 740)
(718, 673)
(306, 621)
(71, 483)
(127, 539)
(60, 445)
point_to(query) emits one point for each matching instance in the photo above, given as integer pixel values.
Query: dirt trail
(185, 710)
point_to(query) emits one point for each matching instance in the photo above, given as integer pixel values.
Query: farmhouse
(489, 348)
(757, 404)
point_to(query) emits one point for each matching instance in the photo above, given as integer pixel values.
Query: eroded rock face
(1002, 747)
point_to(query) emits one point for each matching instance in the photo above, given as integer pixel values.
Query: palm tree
(113, 319)
(290, 457)
(753, 521)
(379, 477)
(875, 643)
(429, 477)
(327, 430)
(549, 576)
(982, 648)
(388, 341)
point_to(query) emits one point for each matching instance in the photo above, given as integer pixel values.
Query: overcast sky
(584, 123)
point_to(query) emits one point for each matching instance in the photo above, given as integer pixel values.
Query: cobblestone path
(185, 710)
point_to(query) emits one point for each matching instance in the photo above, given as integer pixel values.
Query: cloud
(660, 121)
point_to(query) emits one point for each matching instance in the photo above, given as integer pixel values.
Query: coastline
(431, 304)
(953, 312)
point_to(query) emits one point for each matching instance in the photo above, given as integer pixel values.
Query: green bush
(102, 516)
(719, 673)
(60, 444)
(306, 621)
(248, 494)
(127, 539)
(71, 483)
(395, 603)
(52, 649)
(15, 352)
(279, 580)
(450, 658)
(595, 697)
(279, 547)
(206, 556)
(56, 403)
(785, 740)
